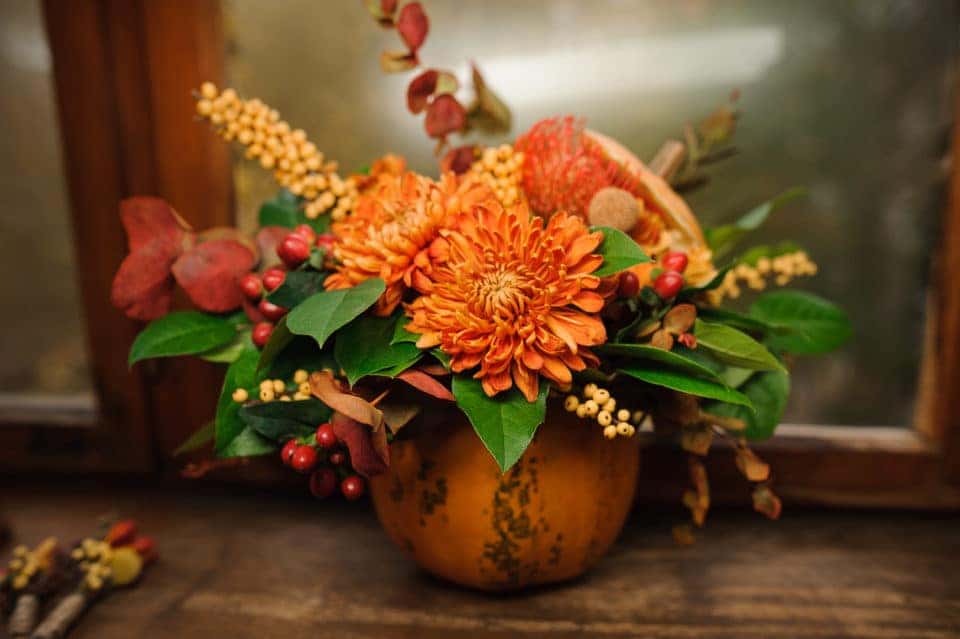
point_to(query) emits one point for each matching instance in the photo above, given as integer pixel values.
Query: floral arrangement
(554, 266)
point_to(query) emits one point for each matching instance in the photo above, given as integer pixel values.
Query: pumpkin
(549, 518)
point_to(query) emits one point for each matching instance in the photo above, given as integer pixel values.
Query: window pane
(43, 337)
(850, 99)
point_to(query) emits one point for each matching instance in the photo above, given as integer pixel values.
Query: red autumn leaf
(229, 233)
(369, 453)
(426, 384)
(210, 271)
(268, 239)
(413, 26)
(143, 286)
(150, 218)
(382, 11)
(420, 89)
(444, 116)
(459, 160)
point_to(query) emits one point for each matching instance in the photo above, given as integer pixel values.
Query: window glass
(850, 99)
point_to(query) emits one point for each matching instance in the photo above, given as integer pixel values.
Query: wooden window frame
(123, 72)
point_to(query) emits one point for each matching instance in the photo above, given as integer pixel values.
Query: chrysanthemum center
(501, 292)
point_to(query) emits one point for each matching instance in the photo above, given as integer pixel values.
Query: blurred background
(852, 100)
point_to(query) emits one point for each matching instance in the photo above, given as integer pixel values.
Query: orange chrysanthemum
(514, 296)
(396, 219)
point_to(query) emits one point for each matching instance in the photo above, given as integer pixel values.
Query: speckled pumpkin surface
(548, 519)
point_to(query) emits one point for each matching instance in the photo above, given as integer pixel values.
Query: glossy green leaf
(740, 321)
(619, 251)
(817, 326)
(297, 286)
(401, 334)
(723, 239)
(247, 443)
(672, 359)
(181, 333)
(280, 338)
(364, 347)
(241, 374)
(322, 314)
(683, 382)
(280, 421)
(768, 391)
(285, 210)
(735, 347)
(506, 423)
(229, 352)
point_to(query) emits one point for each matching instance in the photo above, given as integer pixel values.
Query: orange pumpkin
(549, 518)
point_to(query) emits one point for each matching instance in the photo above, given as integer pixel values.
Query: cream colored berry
(604, 418)
(610, 406)
(300, 376)
(601, 396)
(589, 390)
(610, 431)
(241, 395)
(266, 395)
(592, 407)
(571, 403)
(623, 415)
(299, 397)
(582, 411)
(285, 398)
(208, 90)
(304, 388)
(279, 386)
(625, 429)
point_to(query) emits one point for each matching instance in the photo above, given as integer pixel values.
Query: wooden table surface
(240, 563)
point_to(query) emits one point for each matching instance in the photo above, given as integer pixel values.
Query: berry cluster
(598, 404)
(293, 250)
(670, 281)
(325, 459)
(295, 161)
(501, 169)
(277, 390)
(782, 269)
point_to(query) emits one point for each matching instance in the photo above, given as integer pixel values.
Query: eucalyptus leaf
(684, 382)
(768, 391)
(322, 314)
(619, 251)
(297, 286)
(181, 333)
(363, 347)
(505, 423)
(735, 347)
(723, 239)
(280, 421)
(817, 326)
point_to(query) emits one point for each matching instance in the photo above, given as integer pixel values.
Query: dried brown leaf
(766, 502)
(680, 318)
(696, 438)
(662, 339)
(426, 384)
(397, 61)
(752, 467)
(331, 392)
(398, 415)
(683, 535)
(369, 453)
(488, 112)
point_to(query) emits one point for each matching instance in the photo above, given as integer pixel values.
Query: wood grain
(257, 565)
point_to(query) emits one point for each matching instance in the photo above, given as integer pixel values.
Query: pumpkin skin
(553, 515)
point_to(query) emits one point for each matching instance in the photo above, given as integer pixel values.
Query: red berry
(304, 458)
(337, 458)
(271, 311)
(294, 250)
(261, 333)
(674, 261)
(326, 241)
(352, 487)
(306, 232)
(273, 278)
(286, 453)
(668, 284)
(629, 284)
(326, 438)
(323, 483)
(251, 286)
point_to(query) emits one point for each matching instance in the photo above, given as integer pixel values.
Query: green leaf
(441, 357)
(247, 443)
(505, 423)
(241, 374)
(297, 286)
(817, 326)
(768, 391)
(198, 439)
(181, 333)
(684, 382)
(731, 346)
(322, 314)
(280, 421)
(364, 347)
(285, 210)
(228, 353)
(280, 338)
(741, 321)
(619, 251)
(672, 359)
(401, 335)
(717, 280)
(723, 239)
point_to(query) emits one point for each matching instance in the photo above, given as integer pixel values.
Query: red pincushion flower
(165, 251)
